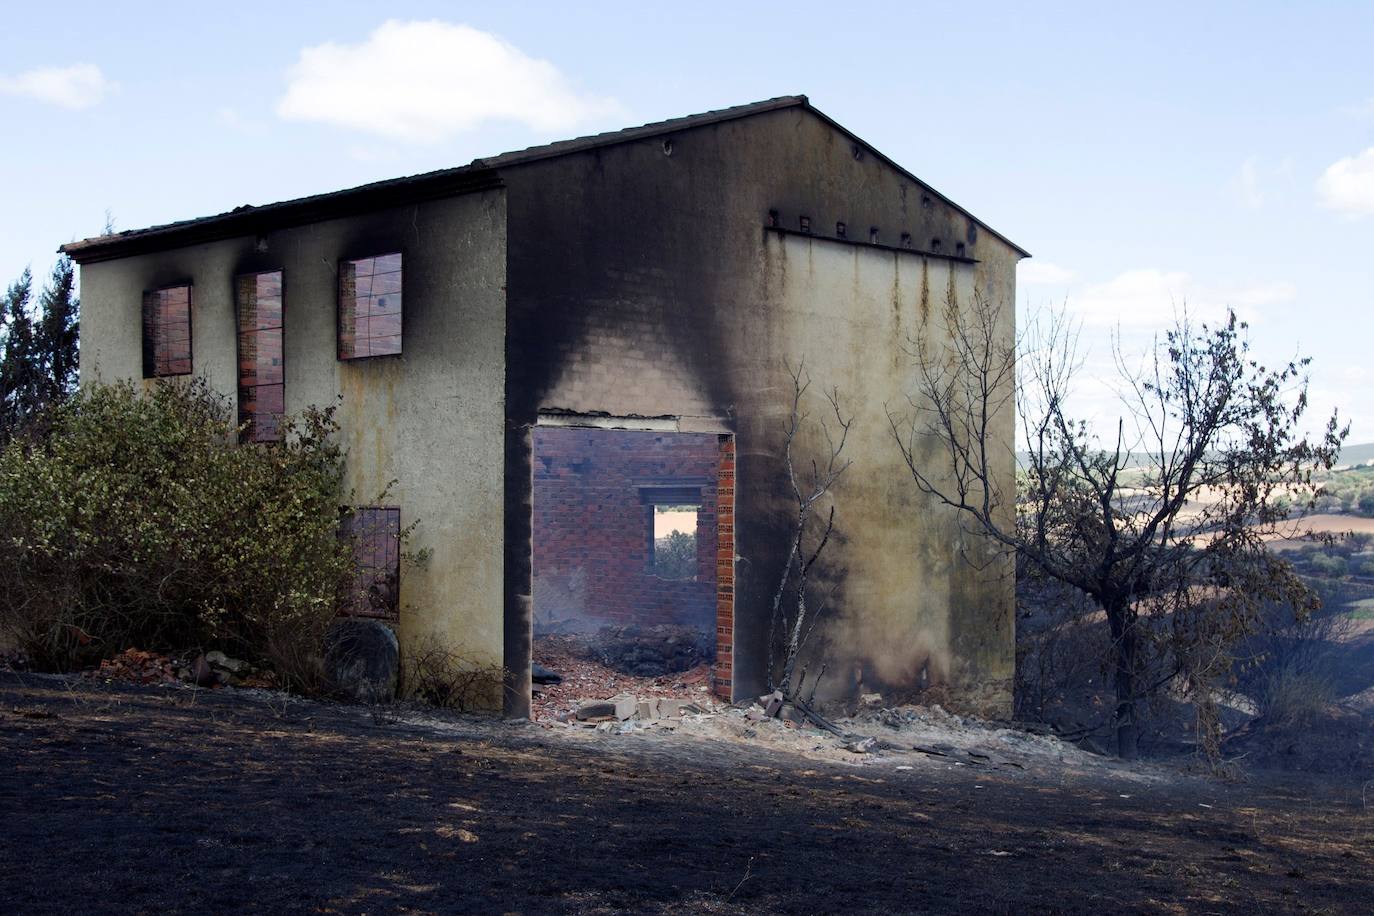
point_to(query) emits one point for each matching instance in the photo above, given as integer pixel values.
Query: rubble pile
(904, 737)
(213, 669)
(135, 666)
(582, 678)
(650, 651)
(631, 710)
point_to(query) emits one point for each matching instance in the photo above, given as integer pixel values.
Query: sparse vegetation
(1348, 490)
(810, 483)
(1161, 520)
(434, 674)
(1289, 667)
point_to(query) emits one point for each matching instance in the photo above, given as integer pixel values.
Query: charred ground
(140, 799)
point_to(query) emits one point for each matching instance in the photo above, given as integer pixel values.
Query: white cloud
(1347, 184)
(426, 81)
(1043, 273)
(1149, 298)
(75, 87)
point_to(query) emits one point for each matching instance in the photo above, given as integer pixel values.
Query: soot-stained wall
(645, 282)
(593, 518)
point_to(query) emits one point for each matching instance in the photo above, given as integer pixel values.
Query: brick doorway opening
(632, 563)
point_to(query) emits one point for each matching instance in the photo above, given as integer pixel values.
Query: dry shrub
(442, 677)
(1061, 647)
(1292, 665)
(1291, 696)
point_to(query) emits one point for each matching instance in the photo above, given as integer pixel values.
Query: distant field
(1362, 609)
(1291, 534)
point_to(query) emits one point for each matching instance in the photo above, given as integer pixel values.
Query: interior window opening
(674, 548)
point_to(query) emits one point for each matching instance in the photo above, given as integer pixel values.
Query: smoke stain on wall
(925, 291)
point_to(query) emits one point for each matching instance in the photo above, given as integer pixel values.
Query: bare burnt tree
(1162, 523)
(793, 618)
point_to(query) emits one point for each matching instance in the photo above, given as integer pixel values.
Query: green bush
(675, 556)
(1332, 567)
(141, 521)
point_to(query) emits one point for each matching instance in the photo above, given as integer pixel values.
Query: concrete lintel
(598, 421)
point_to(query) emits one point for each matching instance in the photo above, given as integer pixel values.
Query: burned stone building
(554, 352)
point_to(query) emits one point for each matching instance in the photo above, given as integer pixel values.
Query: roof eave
(247, 221)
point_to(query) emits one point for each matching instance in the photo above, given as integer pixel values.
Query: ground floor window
(375, 534)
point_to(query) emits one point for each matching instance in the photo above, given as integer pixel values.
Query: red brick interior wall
(592, 528)
(725, 568)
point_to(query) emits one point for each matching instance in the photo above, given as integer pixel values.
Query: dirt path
(144, 800)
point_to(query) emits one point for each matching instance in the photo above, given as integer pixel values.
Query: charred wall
(644, 281)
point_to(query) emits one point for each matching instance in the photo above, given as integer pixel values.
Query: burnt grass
(124, 799)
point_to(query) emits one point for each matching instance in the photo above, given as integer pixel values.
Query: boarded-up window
(370, 307)
(375, 533)
(262, 393)
(167, 332)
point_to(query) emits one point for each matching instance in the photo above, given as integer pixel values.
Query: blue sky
(1221, 154)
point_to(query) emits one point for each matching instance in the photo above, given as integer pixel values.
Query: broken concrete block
(595, 709)
(871, 700)
(646, 711)
(754, 713)
(773, 706)
(625, 706)
(219, 660)
(669, 708)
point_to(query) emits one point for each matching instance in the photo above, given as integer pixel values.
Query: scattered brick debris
(136, 666)
(587, 679)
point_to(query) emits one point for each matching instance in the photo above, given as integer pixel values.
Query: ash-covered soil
(144, 799)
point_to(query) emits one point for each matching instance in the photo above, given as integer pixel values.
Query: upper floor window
(258, 305)
(370, 307)
(167, 331)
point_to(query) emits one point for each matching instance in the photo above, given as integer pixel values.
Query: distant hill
(1357, 454)
(1350, 455)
